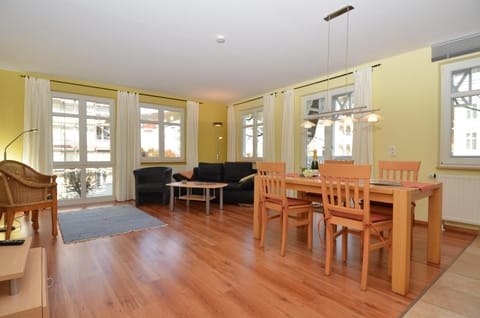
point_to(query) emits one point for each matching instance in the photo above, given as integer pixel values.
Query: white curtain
(232, 136)
(362, 151)
(127, 145)
(37, 146)
(192, 135)
(287, 151)
(269, 128)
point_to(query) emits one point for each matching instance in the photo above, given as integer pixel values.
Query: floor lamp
(15, 139)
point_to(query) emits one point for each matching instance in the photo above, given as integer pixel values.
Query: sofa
(238, 175)
(150, 185)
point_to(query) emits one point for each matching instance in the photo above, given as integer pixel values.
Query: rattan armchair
(25, 189)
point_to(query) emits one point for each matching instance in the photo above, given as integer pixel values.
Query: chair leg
(35, 220)
(9, 216)
(54, 216)
(284, 218)
(344, 244)
(310, 228)
(264, 226)
(329, 242)
(366, 253)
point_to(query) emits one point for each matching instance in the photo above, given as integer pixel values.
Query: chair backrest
(271, 176)
(398, 170)
(153, 174)
(25, 172)
(346, 190)
(339, 162)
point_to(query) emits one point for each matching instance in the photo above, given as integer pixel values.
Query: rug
(94, 223)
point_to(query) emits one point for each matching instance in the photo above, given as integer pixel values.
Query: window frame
(446, 160)
(255, 111)
(329, 134)
(83, 164)
(161, 127)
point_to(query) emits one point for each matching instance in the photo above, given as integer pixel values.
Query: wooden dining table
(401, 197)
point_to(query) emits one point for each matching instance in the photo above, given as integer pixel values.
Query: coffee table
(206, 196)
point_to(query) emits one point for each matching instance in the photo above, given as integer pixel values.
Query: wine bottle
(314, 165)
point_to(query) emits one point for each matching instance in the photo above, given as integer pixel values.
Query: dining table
(401, 197)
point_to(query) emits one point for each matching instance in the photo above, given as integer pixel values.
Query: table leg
(434, 226)
(221, 199)
(207, 203)
(14, 286)
(172, 198)
(401, 241)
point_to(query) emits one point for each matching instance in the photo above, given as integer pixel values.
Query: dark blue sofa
(238, 190)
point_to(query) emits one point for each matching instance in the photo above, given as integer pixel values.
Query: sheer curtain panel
(287, 151)
(127, 151)
(192, 135)
(362, 148)
(37, 146)
(232, 136)
(269, 128)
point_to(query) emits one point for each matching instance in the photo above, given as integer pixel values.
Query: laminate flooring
(211, 266)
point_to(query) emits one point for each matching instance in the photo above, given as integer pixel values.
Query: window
(252, 134)
(161, 133)
(82, 147)
(331, 142)
(460, 118)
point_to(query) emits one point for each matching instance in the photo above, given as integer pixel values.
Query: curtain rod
(252, 99)
(309, 84)
(112, 89)
(331, 78)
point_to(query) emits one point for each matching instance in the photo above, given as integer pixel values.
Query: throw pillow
(187, 174)
(250, 176)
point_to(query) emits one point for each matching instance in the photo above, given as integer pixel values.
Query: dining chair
(338, 161)
(397, 171)
(346, 203)
(275, 203)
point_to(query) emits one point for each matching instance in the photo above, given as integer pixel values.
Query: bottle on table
(314, 165)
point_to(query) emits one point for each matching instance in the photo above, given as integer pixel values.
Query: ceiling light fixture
(344, 115)
(220, 38)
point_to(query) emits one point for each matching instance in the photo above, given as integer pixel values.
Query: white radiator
(461, 198)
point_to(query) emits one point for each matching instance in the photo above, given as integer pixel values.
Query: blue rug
(89, 224)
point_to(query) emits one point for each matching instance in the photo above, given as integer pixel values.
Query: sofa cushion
(234, 171)
(210, 172)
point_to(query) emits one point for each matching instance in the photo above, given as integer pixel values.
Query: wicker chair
(24, 189)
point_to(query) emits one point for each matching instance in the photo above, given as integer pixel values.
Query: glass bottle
(314, 165)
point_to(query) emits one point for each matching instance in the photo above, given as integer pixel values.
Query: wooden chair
(344, 188)
(273, 197)
(346, 162)
(396, 171)
(25, 189)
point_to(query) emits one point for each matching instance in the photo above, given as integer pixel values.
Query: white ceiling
(169, 46)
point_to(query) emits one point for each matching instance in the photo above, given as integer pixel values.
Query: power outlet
(393, 151)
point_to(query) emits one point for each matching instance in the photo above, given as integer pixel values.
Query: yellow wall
(11, 112)
(406, 88)
(12, 100)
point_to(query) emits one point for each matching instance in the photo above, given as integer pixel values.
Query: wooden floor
(211, 266)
